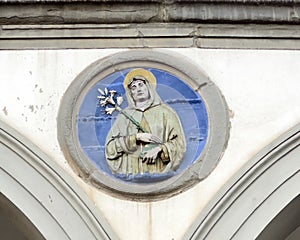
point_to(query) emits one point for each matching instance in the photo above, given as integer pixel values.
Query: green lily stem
(136, 123)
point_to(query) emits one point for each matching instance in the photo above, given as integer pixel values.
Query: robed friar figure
(157, 143)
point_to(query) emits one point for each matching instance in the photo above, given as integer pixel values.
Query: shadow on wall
(14, 224)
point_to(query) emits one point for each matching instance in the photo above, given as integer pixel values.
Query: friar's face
(139, 91)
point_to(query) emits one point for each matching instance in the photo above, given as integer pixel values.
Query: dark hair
(136, 79)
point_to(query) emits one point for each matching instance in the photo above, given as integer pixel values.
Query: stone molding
(59, 24)
(51, 199)
(260, 190)
(158, 35)
(110, 11)
(176, 64)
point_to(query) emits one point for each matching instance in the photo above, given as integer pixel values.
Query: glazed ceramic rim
(174, 63)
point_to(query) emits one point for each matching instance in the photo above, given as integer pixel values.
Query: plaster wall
(261, 88)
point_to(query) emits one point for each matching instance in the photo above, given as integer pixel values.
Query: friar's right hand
(148, 138)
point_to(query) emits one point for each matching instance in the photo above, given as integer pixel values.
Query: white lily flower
(107, 97)
(120, 100)
(109, 110)
(104, 102)
(110, 100)
(112, 92)
(100, 91)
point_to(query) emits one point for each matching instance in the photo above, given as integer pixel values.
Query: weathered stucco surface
(260, 88)
(111, 11)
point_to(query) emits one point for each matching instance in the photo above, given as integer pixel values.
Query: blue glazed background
(93, 124)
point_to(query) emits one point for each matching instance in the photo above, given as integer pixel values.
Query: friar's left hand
(151, 155)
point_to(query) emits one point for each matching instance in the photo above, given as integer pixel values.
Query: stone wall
(258, 85)
(247, 48)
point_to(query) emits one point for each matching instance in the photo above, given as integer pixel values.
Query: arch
(14, 224)
(285, 225)
(245, 206)
(45, 194)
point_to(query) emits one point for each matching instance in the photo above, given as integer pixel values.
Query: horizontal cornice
(162, 2)
(161, 35)
(148, 11)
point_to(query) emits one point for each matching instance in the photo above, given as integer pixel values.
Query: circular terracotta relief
(143, 124)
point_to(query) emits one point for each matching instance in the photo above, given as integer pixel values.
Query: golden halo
(139, 72)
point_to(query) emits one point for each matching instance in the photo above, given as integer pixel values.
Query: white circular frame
(218, 132)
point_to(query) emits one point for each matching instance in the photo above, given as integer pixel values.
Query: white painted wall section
(261, 88)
